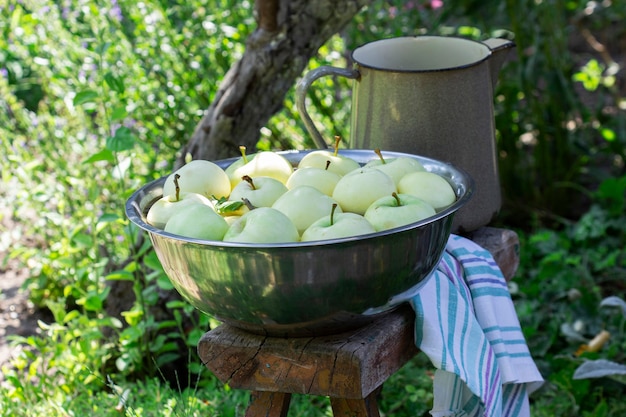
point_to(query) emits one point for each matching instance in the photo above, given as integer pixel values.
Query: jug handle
(302, 88)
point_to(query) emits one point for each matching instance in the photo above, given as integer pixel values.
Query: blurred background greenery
(97, 99)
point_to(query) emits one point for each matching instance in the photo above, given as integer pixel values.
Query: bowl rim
(465, 184)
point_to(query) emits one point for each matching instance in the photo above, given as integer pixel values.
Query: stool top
(345, 365)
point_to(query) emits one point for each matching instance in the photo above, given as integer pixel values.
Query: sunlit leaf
(103, 155)
(614, 301)
(91, 303)
(119, 113)
(132, 317)
(120, 276)
(598, 369)
(108, 217)
(86, 96)
(82, 240)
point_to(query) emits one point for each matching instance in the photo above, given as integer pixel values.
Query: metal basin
(303, 289)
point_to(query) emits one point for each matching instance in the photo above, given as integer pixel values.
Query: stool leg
(268, 404)
(366, 407)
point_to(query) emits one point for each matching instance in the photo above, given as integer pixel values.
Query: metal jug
(430, 96)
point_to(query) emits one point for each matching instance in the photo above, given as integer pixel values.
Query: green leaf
(175, 304)
(71, 316)
(167, 358)
(119, 113)
(123, 140)
(152, 261)
(82, 240)
(103, 47)
(90, 303)
(194, 336)
(224, 206)
(132, 317)
(103, 155)
(115, 83)
(93, 303)
(108, 218)
(120, 276)
(608, 134)
(164, 282)
(86, 96)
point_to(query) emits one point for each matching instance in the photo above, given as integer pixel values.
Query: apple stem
(247, 203)
(242, 149)
(332, 214)
(327, 165)
(176, 177)
(337, 141)
(395, 195)
(380, 155)
(248, 179)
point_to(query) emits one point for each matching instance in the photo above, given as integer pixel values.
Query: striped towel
(467, 325)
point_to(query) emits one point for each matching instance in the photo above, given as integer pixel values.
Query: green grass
(94, 107)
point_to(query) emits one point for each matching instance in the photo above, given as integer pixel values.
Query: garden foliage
(98, 99)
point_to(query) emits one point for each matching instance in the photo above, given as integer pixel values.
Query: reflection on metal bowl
(303, 289)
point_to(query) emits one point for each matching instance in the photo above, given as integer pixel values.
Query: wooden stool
(350, 368)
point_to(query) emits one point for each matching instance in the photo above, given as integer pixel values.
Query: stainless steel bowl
(303, 289)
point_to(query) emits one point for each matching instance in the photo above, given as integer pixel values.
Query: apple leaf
(225, 206)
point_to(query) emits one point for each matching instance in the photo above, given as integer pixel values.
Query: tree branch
(289, 33)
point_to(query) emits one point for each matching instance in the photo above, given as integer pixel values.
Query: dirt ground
(17, 315)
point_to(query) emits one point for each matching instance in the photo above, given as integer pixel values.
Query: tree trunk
(289, 33)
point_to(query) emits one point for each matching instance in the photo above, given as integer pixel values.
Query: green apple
(262, 225)
(199, 176)
(396, 168)
(357, 190)
(244, 159)
(231, 218)
(197, 221)
(304, 205)
(397, 210)
(430, 187)
(336, 226)
(259, 192)
(165, 207)
(339, 164)
(322, 179)
(264, 164)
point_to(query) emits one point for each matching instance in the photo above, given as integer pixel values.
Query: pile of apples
(262, 198)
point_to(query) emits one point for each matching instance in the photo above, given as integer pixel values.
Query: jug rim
(486, 54)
